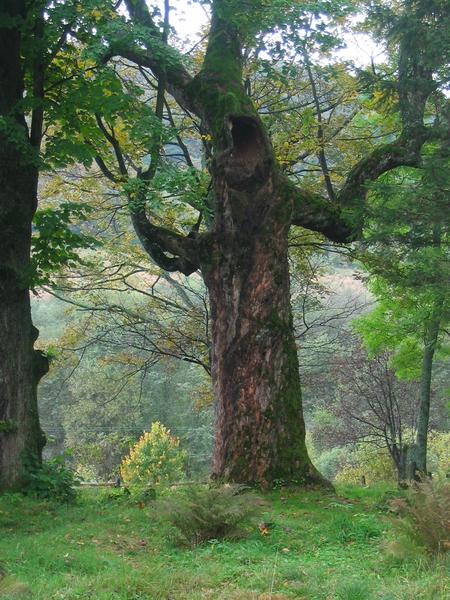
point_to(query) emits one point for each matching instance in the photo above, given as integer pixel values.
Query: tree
(375, 406)
(408, 262)
(21, 367)
(241, 249)
(32, 36)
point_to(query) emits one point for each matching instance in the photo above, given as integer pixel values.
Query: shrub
(51, 480)
(101, 459)
(438, 458)
(353, 590)
(156, 458)
(330, 462)
(368, 462)
(424, 516)
(199, 514)
(376, 465)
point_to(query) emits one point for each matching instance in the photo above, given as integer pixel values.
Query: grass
(320, 546)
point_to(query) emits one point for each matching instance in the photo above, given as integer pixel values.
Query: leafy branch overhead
(214, 94)
(56, 241)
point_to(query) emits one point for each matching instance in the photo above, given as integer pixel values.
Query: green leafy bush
(423, 516)
(376, 465)
(156, 458)
(438, 459)
(51, 480)
(330, 462)
(199, 514)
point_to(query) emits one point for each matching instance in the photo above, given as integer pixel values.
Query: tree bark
(259, 430)
(21, 366)
(423, 417)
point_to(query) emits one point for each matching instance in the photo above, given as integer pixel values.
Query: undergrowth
(199, 513)
(424, 516)
(113, 546)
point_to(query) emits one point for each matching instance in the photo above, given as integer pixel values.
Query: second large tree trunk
(21, 366)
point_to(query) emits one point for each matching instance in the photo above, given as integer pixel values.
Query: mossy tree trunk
(21, 366)
(417, 456)
(260, 434)
(259, 431)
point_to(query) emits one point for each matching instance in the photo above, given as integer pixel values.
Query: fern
(200, 514)
(425, 516)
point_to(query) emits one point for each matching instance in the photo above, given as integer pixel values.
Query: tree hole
(248, 144)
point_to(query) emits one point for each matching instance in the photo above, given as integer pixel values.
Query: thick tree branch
(313, 211)
(157, 241)
(405, 152)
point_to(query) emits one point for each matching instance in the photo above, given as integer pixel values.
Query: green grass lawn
(319, 547)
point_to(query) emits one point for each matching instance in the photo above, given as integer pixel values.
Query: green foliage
(55, 243)
(330, 462)
(375, 465)
(355, 528)
(365, 461)
(202, 514)
(156, 458)
(51, 480)
(439, 454)
(100, 459)
(424, 516)
(407, 258)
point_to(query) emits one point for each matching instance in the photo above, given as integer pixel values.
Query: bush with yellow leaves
(365, 462)
(375, 465)
(156, 458)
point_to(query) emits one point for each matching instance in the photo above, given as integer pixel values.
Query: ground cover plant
(426, 511)
(315, 546)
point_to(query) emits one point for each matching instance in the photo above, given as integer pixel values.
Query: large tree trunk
(21, 366)
(259, 431)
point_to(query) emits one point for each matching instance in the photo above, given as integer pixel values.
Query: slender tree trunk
(423, 418)
(21, 366)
